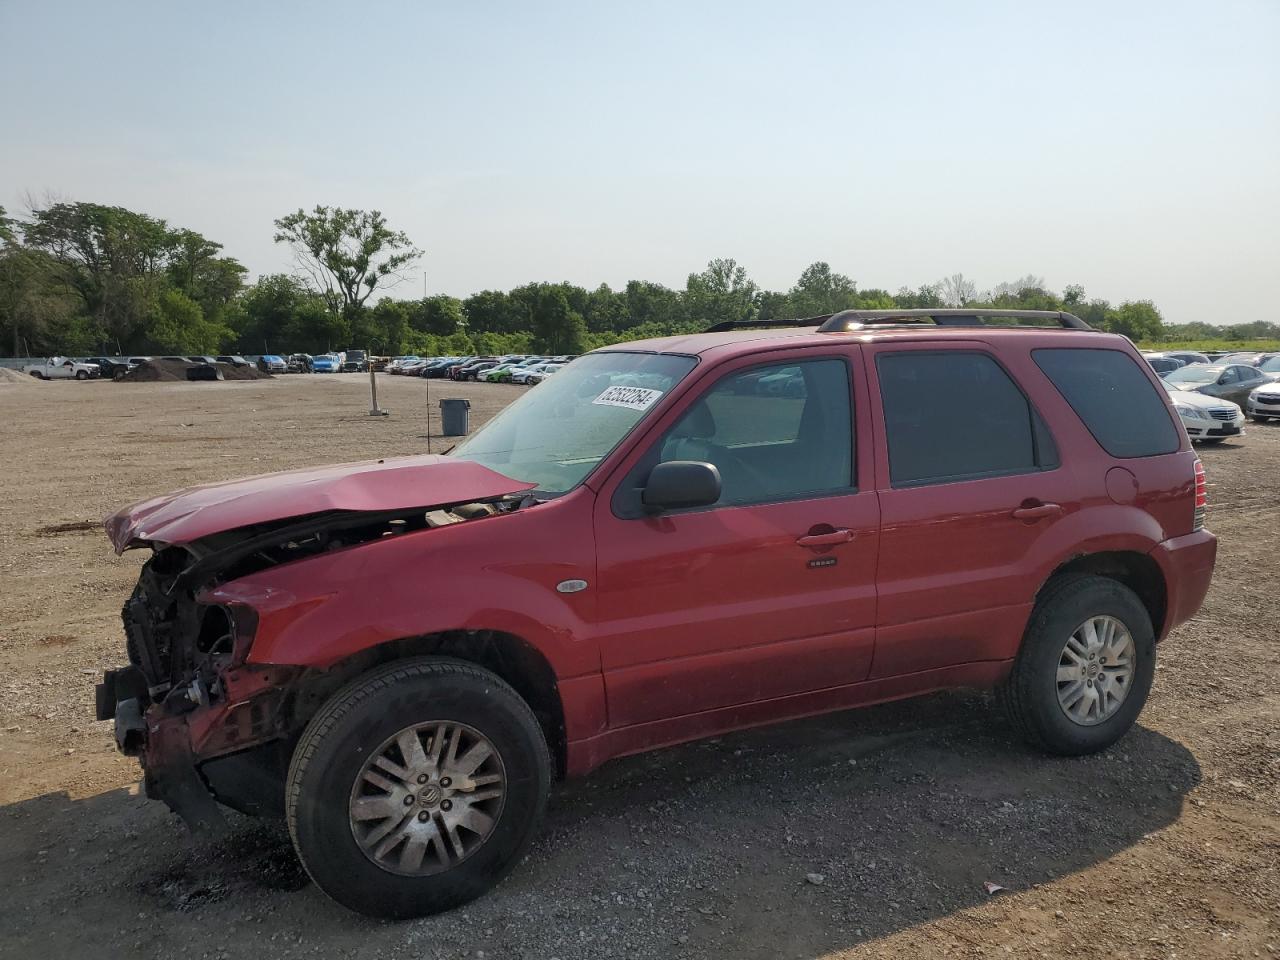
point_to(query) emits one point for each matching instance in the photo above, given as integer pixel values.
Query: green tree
(113, 258)
(652, 303)
(439, 314)
(1137, 320)
(821, 291)
(721, 292)
(557, 327)
(177, 325)
(346, 254)
(8, 233)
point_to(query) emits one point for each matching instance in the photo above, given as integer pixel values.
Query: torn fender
(397, 483)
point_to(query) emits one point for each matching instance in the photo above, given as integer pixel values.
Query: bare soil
(863, 834)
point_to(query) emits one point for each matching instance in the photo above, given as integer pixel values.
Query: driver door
(770, 592)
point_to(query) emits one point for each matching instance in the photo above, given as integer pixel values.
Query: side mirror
(681, 483)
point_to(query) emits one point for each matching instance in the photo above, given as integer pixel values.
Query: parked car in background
(111, 368)
(442, 368)
(325, 363)
(202, 359)
(1228, 381)
(497, 373)
(61, 368)
(397, 364)
(1264, 402)
(1206, 419)
(234, 359)
(540, 374)
(299, 363)
(1271, 367)
(1254, 359)
(522, 374)
(401, 656)
(355, 361)
(271, 363)
(1162, 364)
(1186, 356)
(471, 370)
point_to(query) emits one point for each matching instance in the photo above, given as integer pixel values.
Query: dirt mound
(168, 371)
(8, 375)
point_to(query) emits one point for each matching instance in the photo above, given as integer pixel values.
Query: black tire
(363, 715)
(1257, 419)
(1030, 694)
(1212, 440)
(81, 375)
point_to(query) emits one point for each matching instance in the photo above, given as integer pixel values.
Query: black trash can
(455, 417)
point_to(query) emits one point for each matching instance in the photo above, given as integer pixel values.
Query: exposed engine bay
(187, 695)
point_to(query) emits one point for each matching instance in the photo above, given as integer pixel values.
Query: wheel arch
(1137, 571)
(508, 656)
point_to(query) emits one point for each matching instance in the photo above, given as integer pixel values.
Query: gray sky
(1130, 147)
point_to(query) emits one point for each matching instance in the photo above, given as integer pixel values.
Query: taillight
(1202, 498)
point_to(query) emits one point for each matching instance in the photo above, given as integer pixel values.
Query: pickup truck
(61, 368)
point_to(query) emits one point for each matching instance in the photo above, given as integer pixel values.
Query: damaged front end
(205, 725)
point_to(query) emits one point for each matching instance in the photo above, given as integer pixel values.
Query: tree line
(84, 278)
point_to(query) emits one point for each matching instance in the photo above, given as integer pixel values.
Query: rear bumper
(1187, 564)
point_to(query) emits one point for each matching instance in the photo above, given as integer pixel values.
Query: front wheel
(1257, 419)
(417, 788)
(81, 375)
(1085, 667)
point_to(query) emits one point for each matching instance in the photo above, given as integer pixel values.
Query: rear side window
(957, 415)
(1114, 398)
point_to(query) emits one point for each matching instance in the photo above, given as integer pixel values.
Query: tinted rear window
(1114, 398)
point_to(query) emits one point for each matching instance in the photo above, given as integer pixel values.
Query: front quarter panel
(491, 573)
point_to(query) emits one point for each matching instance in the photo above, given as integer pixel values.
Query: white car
(1207, 419)
(1264, 402)
(522, 374)
(537, 376)
(61, 368)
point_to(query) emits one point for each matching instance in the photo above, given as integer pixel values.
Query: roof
(734, 342)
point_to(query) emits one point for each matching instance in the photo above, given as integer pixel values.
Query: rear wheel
(1085, 667)
(417, 788)
(37, 374)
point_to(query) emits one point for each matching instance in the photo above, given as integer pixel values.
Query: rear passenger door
(969, 479)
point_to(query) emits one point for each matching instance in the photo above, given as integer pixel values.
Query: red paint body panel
(1187, 565)
(699, 622)
(373, 485)
(585, 756)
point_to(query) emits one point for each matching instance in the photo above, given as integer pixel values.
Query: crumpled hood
(399, 483)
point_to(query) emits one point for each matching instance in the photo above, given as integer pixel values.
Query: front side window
(555, 435)
(775, 432)
(956, 415)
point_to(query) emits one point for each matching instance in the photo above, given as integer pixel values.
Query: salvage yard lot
(868, 833)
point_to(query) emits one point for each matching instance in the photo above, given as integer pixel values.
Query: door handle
(826, 539)
(1037, 511)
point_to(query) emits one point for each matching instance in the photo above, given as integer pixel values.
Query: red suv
(667, 540)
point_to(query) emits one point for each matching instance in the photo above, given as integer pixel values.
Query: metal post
(374, 410)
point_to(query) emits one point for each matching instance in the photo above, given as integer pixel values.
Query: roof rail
(724, 325)
(847, 320)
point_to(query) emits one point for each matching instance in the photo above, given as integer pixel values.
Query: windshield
(1196, 373)
(555, 435)
(1270, 366)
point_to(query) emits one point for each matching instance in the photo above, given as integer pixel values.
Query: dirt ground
(864, 834)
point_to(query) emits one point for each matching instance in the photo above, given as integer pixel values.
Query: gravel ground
(865, 834)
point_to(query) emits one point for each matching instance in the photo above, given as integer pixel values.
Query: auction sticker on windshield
(633, 398)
